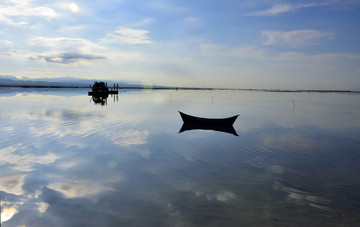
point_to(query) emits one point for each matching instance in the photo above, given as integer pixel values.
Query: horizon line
(159, 87)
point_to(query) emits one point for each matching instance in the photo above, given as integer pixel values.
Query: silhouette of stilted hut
(101, 89)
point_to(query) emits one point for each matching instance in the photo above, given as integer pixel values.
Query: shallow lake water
(67, 161)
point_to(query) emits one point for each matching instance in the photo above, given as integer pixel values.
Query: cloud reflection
(25, 162)
(301, 197)
(42, 207)
(8, 210)
(73, 157)
(72, 188)
(222, 196)
(12, 184)
(131, 137)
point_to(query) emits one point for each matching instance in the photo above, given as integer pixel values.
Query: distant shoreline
(193, 88)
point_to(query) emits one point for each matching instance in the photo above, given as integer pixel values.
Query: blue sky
(300, 44)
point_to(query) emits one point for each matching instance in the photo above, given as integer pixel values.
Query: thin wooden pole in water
(293, 105)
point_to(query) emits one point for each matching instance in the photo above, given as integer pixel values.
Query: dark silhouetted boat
(215, 124)
(222, 122)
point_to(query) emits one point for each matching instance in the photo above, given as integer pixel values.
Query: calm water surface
(65, 161)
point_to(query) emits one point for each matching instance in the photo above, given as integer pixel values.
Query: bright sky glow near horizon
(304, 44)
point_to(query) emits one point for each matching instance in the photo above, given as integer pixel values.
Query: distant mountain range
(9, 81)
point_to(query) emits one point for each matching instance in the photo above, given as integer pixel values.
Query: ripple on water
(301, 197)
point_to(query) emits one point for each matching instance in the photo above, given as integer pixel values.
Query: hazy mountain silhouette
(6, 80)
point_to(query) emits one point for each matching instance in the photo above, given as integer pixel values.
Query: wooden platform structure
(101, 89)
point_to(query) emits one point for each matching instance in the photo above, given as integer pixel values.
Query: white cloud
(7, 43)
(74, 7)
(13, 12)
(65, 57)
(330, 59)
(65, 50)
(277, 9)
(128, 36)
(249, 52)
(296, 38)
(274, 10)
(298, 58)
(65, 43)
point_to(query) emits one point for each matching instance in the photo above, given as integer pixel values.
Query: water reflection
(65, 163)
(101, 99)
(8, 210)
(76, 188)
(226, 129)
(12, 184)
(304, 198)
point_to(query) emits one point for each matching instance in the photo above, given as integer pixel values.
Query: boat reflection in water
(228, 129)
(215, 124)
(100, 92)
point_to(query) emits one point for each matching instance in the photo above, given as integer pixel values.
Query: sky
(271, 44)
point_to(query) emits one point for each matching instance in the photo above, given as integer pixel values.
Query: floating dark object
(216, 124)
(192, 120)
(101, 89)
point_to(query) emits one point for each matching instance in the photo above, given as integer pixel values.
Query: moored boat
(200, 121)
